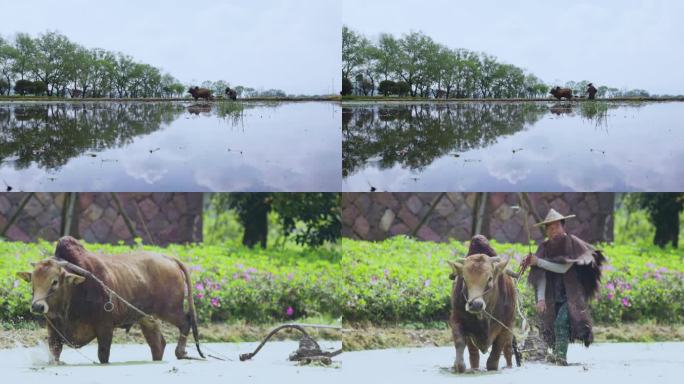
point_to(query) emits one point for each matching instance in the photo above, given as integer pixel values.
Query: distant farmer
(565, 274)
(591, 90)
(231, 93)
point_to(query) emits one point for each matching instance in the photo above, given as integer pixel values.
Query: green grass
(231, 282)
(401, 280)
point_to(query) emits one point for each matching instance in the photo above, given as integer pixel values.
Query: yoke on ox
(79, 309)
(483, 310)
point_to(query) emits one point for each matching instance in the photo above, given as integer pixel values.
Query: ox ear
(499, 264)
(73, 279)
(456, 267)
(26, 276)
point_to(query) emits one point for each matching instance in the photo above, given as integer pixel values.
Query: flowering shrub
(230, 282)
(403, 280)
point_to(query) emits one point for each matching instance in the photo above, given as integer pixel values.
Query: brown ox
(481, 288)
(559, 93)
(201, 93)
(74, 305)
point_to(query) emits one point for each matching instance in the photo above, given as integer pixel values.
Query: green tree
(663, 209)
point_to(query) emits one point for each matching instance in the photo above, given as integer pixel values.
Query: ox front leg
(473, 355)
(55, 345)
(459, 343)
(104, 344)
(495, 355)
(152, 332)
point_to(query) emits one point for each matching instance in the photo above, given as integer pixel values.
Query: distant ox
(201, 93)
(559, 93)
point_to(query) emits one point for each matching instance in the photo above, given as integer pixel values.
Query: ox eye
(54, 283)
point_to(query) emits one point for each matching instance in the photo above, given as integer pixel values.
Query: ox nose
(38, 308)
(475, 305)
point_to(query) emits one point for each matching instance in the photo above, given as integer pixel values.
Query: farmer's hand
(541, 306)
(531, 259)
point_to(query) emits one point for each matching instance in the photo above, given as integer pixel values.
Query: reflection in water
(51, 134)
(170, 146)
(511, 146)
(415, 135)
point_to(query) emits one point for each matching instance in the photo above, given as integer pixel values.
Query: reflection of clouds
(292, 147)
(639, 149)
(578, 178)
(149, 171)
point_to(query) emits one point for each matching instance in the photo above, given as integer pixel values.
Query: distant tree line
(415, 65)
(52, 65)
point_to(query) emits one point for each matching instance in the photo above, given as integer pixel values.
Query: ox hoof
(459, 368)
(56, 362)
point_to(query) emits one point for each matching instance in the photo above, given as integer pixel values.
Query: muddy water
(601, 363)
(143, 146)
(513, 146)
(132, 364)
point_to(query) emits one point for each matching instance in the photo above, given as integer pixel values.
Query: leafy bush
(404, 280)
(231, 282)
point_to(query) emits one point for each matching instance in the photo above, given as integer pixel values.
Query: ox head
(479, 273)
(50, 282)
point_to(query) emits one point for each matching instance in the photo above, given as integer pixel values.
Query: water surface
(170, 146)
(569, 146)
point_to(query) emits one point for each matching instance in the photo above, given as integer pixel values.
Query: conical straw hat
(552, 216)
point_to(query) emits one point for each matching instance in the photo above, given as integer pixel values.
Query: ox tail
(191, 307)
(516, 352)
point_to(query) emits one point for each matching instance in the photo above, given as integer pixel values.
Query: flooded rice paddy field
(132, 363)
(513, 146)
(170, 146)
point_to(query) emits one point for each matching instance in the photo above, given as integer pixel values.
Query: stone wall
(157, 218)
(377, 216)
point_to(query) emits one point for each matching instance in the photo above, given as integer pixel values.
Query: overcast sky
(619, 43)
(293, 45)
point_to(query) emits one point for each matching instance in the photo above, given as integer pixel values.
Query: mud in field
(131, 363)
(601, 363)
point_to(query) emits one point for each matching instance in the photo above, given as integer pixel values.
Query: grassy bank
(401, 280)
(30, 333)
(365, 336)
(231, 282)
(510, 100)
(77, 100)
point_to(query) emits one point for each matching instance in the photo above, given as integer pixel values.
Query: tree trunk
(255, 223)
(667, 230)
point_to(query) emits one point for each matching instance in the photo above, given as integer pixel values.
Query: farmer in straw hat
(565, 273)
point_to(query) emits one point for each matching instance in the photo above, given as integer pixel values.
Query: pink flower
(247, 276)
(289, 311)
(290, 276)
(374, 279)
(215, 302)
(199, 287)
(235, 276)
(200, 295)
(625, 302)
(610, 286)
(610, 295)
